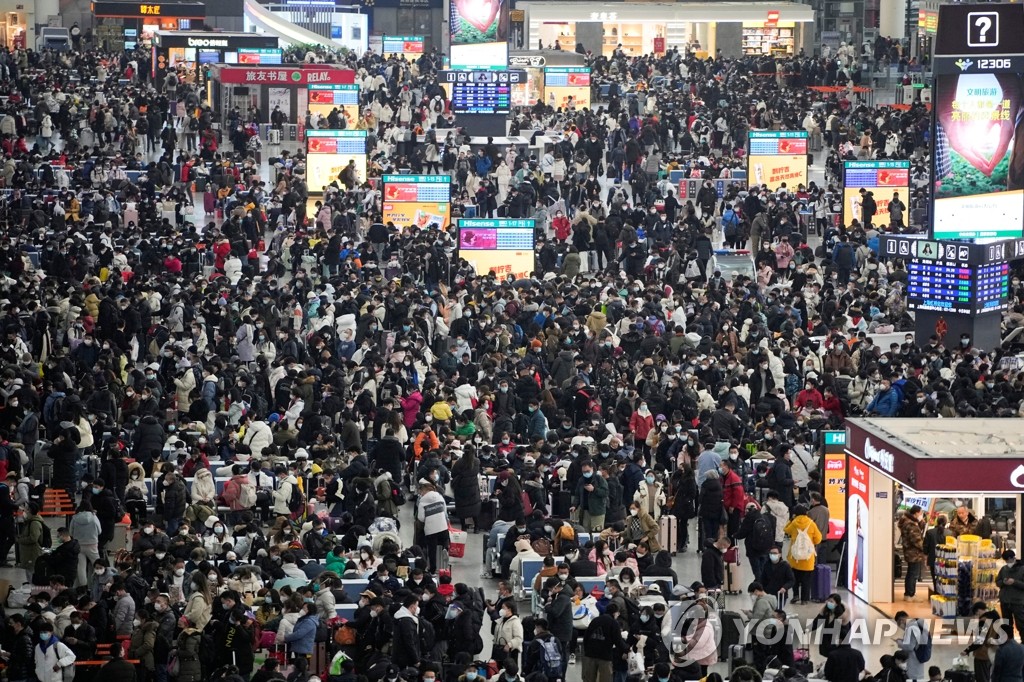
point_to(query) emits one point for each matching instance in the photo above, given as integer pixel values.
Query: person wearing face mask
(650, 495)
(834, 620)
(508, 634)
(80, 636)
(406, 648)
(143, 643)
(51, 656)
(591, 495)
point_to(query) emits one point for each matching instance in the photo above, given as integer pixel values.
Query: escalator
(287, 32)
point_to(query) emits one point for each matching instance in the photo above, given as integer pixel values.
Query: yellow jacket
(802, 522)
(441, 410)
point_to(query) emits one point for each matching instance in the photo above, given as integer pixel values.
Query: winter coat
(303, 635)
(198, 611)
(407, 641)
(509, 631)
(644, 497)
(912, 539)
(203, 488)
(389, 456)
(183, 387)
(50, 654)
(188, 655)
(799, 523)
(466, 488)
(29, 542)
(143, 643)
(174, 499)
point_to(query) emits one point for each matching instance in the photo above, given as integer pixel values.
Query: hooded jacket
(407, 639)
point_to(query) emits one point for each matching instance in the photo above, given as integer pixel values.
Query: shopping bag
(456, 543)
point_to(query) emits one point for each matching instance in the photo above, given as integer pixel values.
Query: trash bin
(274, 136)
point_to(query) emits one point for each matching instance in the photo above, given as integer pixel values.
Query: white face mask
(179, 572)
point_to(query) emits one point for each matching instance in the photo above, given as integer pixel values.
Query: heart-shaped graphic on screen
(479, 13)
(976, 120)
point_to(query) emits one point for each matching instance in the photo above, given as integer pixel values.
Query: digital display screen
(259, 55)
(777, 157)
(482, 92)
(417, 200)
(882, 178)
(502, 246)
(957, 288)
(478, 34)
(992, 287)
(566, 86)
(329, 151)
(410, 46)
(323, 99)
(978, 194)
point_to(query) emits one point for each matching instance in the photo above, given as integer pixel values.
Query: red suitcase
(209, 202)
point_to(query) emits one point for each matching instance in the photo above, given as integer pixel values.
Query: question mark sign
(984, 23)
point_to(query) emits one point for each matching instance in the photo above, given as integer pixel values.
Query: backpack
(427, 636)
(296, 500)
(730, 223)
(247, 495)
(762, 537)
(345, 635)
(551, 658)
(802, 548)
(923, 651)
(632, 612)
(45, 537)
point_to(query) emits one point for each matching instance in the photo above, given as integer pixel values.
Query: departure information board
(957, 288)
(259, 55)
(482, 92)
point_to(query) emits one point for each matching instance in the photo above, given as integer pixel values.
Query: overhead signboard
(978, 163)
(259, 55)
(396, 46)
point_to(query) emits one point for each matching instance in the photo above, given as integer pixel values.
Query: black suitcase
(561, 500)
(486, 518)
(958, 676)
(732, 633)
(41, 571)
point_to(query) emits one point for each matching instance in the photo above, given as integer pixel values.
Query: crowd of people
(249, 388)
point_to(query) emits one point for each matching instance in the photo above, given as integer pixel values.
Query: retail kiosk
(142, 20)
(779, 29)
(938, 464)
(194, 49)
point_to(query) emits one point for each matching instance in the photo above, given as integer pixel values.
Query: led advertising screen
(479, 34)
(417, 200)
(396, 46)
(259, 55)
(323, 99)
(978, 166)
(777, 157)
(567, 85)
(951, 287)
(857, 517)
(503, 246)
(482, 92)
(882, 178)
(329, 151)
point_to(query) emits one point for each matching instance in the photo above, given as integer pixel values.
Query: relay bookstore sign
(256, 75)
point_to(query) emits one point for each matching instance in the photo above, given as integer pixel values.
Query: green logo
(296, 76)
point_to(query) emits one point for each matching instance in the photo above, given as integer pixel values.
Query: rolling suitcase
(209, 202)
(738, 656)
(561, 500)
(733, 573)
(668, 533)
(822, 585)
(732, 634)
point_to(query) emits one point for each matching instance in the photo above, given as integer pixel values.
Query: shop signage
(207, 42)
(274, 75)
(1017, 477)
(131, 10)
(927, 474)
(879, 456)
(659, 45)
(527, 60)
(773, 18)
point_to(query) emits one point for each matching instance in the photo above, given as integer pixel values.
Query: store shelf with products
(768, 40)
(630, 36)
(965, 573)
